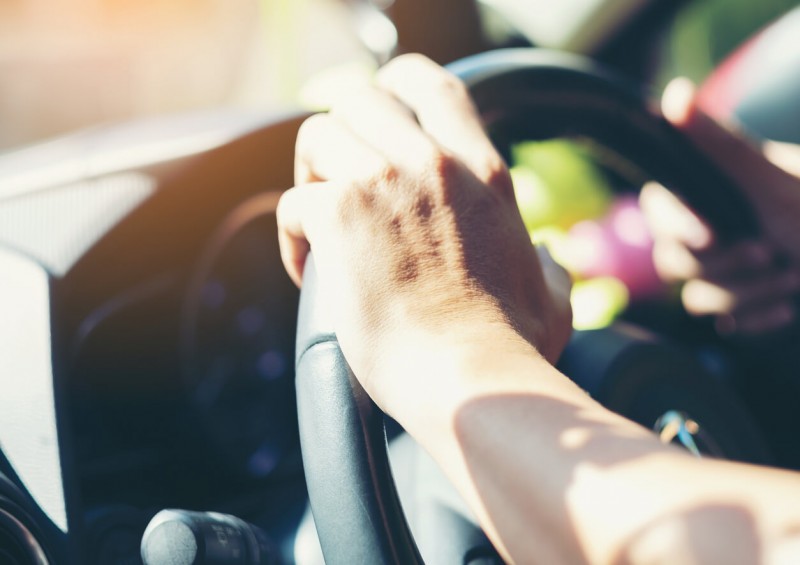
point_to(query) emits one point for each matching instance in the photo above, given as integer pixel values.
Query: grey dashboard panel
(28, 429)
(83, 220)
(59, 198)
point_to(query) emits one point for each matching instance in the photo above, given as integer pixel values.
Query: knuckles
(498, 177)
(419, 68)
(443, 170)
(450, 87)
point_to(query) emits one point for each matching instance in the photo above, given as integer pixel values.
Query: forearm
(554, 477)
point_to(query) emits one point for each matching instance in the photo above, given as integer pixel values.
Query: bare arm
(555, 478)
(449, 319)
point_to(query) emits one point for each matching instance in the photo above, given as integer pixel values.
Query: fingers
(760, 306)
(670, 219)
(675, 262)
(677, 232)
(702, 297)
(446, 112)
(738, 284)
(405, 124)
(764, 303)
(303, 212)
(387, 126)
(741, 285)
(684, 247)
(326, 149)
(417, 114)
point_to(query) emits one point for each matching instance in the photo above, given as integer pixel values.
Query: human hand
(416, 235)
(748, 286)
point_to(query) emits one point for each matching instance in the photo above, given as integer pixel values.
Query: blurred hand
(416, 235)
(748, 286)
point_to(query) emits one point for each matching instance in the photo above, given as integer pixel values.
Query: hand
(416, 235)
(749, 286)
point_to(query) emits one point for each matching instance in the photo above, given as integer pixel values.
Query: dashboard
(171, 327)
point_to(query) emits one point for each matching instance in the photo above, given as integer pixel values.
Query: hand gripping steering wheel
(522, 94)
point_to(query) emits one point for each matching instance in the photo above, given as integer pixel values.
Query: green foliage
(706, 31)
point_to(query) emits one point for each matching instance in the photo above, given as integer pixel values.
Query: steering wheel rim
(521, 94)
(525, 94)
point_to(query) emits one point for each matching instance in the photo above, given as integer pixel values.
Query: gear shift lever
(183, 537)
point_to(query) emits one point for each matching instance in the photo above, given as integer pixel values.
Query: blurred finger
(326, 149)
(758, 321)
(387, 126)
(674, 262)
(446, 112)
(669, 218)
(701, 297)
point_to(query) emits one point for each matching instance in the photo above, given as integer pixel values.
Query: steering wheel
(522, 94)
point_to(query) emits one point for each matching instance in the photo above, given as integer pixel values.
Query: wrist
(423, 380)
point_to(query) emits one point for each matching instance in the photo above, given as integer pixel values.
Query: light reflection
(213, 294)
(271, 365)
(264, 460)
(250, 321)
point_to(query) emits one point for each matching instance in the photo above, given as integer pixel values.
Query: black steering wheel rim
(525, 94)
(522, 94)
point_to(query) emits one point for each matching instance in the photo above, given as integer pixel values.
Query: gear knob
(183, 537)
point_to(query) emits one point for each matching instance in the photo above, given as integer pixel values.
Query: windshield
(68, 65)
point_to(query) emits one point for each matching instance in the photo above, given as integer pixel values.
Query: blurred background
(75, 64)
(71, 64)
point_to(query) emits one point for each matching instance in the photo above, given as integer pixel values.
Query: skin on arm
(750, 286)
(450, 320)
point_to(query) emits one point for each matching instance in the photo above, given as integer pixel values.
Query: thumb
(305, 217)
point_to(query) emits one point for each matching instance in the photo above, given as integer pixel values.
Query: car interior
(167, 395)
